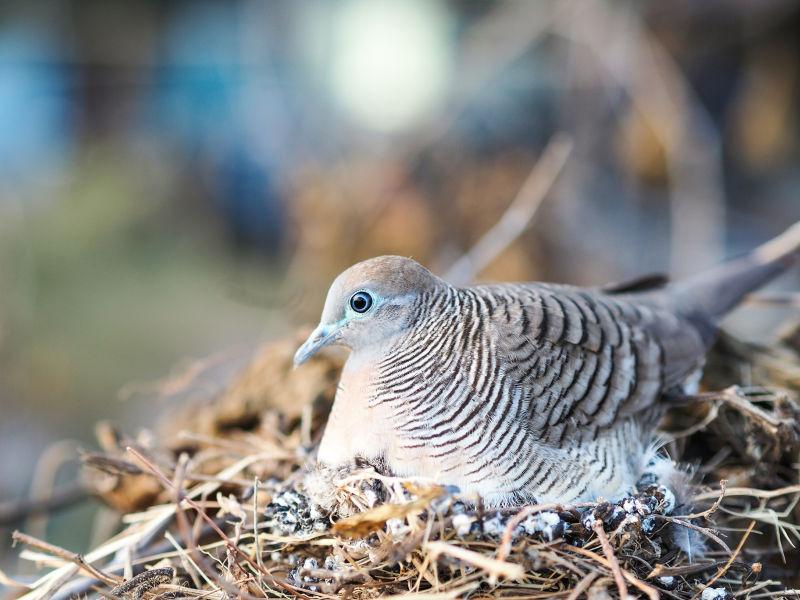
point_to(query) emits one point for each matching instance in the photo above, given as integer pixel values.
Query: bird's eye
(360, 302)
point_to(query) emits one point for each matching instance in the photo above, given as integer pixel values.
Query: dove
(518, 392)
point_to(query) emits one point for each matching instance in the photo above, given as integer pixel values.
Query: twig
(787, 593)
(138, 535)
(453, 594)
(77, 559)
(711, 415)
(256, 540)
(743, 405)
(181, 498)
(661, 570)
(188, 562)
(194, 556)
(735, 397)
(757, 586)
(713, 508)
(612, 559)
(752, 492)
(649, 590)
(495, 568)
(728, 564)
(703, 530)
(582, 586)
(518, 215)
(189, 536)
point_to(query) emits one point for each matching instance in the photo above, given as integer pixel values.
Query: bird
(519, 392)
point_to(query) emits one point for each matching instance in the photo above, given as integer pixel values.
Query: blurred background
(183, 179)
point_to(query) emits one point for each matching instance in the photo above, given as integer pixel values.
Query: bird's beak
(319, 338)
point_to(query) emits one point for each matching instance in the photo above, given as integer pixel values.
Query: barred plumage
(517, 392)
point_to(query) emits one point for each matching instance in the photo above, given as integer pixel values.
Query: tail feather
(714, 293)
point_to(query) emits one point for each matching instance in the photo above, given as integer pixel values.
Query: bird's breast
(355, 429)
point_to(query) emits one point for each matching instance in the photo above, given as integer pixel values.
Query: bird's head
(369, 303)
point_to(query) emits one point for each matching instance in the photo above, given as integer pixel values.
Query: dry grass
(214, 513)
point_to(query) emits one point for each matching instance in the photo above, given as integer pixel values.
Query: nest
(215, 508)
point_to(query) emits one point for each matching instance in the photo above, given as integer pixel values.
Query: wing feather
(585, 359)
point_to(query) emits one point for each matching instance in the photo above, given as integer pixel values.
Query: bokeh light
(390, 60)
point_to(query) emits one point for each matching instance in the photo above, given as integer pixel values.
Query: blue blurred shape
(35, 104)
(200, 74)
(215, 101)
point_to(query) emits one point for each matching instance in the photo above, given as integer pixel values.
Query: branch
(613, 563)
(518, 215)
(728, 564)
(77, 559)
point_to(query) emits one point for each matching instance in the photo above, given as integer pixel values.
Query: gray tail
(711, 294)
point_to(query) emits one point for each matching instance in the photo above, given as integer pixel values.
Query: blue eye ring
(361, 302)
